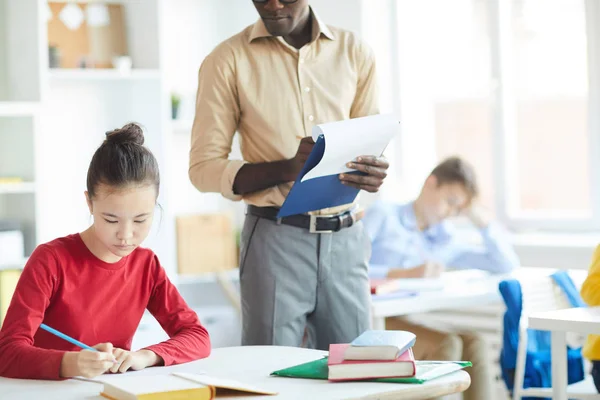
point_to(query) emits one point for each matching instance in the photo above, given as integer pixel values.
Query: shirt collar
(408, 219)
(319, 27)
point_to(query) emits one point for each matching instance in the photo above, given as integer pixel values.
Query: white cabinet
(52, 120)
(20, 55)
(20, 88)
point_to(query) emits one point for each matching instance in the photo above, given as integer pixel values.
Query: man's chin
(278, 28)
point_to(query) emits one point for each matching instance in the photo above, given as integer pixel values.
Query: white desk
(580, 320)
(480, 290)
(252, 365)
(462, 289)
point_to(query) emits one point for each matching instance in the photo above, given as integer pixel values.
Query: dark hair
(457, 170)
(123, 160)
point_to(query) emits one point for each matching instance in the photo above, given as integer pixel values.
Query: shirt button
(307, 89)
(301, 61)
(311, 118)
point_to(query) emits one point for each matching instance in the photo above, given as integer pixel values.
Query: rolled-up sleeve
(215, 124)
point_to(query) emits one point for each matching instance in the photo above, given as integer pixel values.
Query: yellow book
(177, 386)
(8, 283)
(159, 387)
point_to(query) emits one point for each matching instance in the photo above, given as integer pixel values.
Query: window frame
(504, 129)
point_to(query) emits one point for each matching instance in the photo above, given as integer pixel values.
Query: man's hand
(430, 269)
(255, 177)
(295, 164)
(134, 360)
(374, 167)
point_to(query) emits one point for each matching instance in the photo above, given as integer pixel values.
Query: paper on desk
(153, 371)
(348, 139)
(420, 284)
(222, 383)
(432, 369)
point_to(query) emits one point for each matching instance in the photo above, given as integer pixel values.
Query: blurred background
(513, 86)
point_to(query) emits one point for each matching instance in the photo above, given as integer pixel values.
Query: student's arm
(590, 290)
(430, 269)
(496, 254)
(189, 340)
(19, 358)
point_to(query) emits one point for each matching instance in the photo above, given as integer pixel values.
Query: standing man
(272, 83)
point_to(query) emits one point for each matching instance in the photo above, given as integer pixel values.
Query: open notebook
(176, 386)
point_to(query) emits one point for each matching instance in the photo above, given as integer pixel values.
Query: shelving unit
(17, 188)
(103, 74)
(80, 105)
(69, 110)
(20, 100)
(18, 108)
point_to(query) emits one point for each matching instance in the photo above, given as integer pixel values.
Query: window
(507, 86)
(549, 102)
(446, 86)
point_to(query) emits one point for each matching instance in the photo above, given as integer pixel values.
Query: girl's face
(122, 218)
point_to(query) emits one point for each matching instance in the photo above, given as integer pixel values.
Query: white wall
(22, 41)
(75, 117)
(3, 58)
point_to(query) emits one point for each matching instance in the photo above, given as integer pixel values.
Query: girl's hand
(87, 363)
(134, 360)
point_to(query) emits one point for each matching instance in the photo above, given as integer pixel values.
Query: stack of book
(374, 354)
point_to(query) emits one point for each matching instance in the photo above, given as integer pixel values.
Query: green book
(426, 370)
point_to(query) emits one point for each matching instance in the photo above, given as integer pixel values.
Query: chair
(525, 357)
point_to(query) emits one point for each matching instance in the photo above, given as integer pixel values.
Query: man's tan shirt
(273, 95)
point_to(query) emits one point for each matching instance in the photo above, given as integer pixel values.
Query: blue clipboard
(317, 193)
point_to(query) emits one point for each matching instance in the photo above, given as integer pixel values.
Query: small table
(479, 289)
(462, 289)
(252, 364)
(580, 320)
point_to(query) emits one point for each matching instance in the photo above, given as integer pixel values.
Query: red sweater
(66, 287)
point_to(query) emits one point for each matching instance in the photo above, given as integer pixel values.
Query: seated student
(414, 240)
(95, 285)
(590, 293)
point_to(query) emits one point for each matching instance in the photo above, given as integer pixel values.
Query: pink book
(346, 370)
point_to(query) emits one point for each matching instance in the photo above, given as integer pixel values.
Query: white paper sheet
(346, 140)
(153, 371)
(223, 383)
(420, 284)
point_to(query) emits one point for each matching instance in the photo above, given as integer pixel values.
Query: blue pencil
(67, 338)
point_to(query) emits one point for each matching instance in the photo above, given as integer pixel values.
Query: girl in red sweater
(94, 286)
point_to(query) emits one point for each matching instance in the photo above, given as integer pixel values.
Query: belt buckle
(312, 227)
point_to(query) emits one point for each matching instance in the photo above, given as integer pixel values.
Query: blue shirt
(397, 242)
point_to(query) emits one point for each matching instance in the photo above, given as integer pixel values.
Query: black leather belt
(314, 223)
